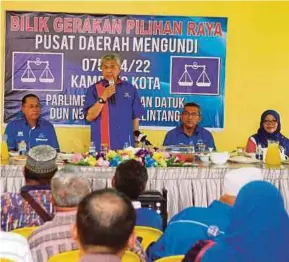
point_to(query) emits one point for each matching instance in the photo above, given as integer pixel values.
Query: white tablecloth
(197, 186)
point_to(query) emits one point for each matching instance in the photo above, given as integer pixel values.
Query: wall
(257, 60)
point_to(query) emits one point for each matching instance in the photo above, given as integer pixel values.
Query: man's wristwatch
(101, 100)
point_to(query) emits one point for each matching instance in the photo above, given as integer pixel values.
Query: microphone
(141, 138)
(112, 99)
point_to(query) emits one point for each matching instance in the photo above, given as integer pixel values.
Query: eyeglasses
(274, 122)
(190, 114)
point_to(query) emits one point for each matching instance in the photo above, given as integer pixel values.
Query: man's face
(31, 108)
(190, 116)
(110, 70)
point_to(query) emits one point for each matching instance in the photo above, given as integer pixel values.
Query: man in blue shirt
(31, 128)
(203, 223)
(113, 107)
(190, 132)
(131, 178)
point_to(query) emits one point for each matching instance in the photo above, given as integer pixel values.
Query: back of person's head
(68, 188)
(235, 179)
(258, 222)
(40, 164)
(130, 178)
(105, 222)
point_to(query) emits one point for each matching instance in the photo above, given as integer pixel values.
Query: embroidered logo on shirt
(126, 95)
(20, 133)
(41, 137)
(213, 231)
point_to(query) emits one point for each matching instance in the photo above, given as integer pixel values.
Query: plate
(20, 160)
(244, 160)
(64, 156)
(13, 153)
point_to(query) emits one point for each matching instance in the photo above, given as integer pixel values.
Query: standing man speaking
(113, 107)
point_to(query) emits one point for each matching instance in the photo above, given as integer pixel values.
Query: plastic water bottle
(259, 153)
(22, 148)
(92, 149)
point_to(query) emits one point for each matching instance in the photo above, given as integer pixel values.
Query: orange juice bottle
(273, 157)
(4, 148)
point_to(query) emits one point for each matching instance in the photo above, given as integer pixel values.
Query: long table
(187, 186)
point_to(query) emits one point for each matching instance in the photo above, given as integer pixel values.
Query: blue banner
(170, 60)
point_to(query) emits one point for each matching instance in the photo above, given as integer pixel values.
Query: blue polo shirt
(148, 218)
(121, 114)
(189, 226)
(42, 134)
(177, 136)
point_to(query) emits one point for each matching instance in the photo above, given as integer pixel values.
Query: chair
(147, 235)
(130, 257)
(6, 260)
(24, 231)
(73, 256)
(68, 256)
(178, 258)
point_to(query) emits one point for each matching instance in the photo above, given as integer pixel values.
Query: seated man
(131, 178)
(199, 223)
(14, 247)
(31, 128)
(190, 133)
(104, 226)
(68, 188)
(38, 171)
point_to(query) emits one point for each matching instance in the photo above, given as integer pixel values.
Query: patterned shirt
(17, 213)
(55, 237)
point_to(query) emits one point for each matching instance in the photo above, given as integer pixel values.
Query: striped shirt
(53, 237)
(14, 247)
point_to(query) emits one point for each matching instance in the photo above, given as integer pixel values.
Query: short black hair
(105, 218)
(192, 104)
(131, 178)
(27, 96)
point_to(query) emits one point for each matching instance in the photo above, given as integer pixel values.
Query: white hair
(68, 188)
(112, 56)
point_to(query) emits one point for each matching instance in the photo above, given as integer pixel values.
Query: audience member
(258, 230)
(104, 226)
(131, 178)
(198, 223)
(14, 247)
(38, 171)
(68, 188)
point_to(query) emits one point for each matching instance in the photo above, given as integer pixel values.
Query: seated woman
(258, 230)
(270, 127)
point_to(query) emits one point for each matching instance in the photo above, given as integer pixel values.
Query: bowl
(219, 158)
(205, 158)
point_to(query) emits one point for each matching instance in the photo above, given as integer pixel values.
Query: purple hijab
(263, 136)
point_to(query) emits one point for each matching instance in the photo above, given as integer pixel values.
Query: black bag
(156, 200)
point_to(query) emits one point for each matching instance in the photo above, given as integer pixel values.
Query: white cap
(235, 179)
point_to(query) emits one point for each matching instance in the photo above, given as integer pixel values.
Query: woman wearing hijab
(258, 230)
(270, 127)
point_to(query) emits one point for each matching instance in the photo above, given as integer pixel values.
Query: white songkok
(235, 179)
